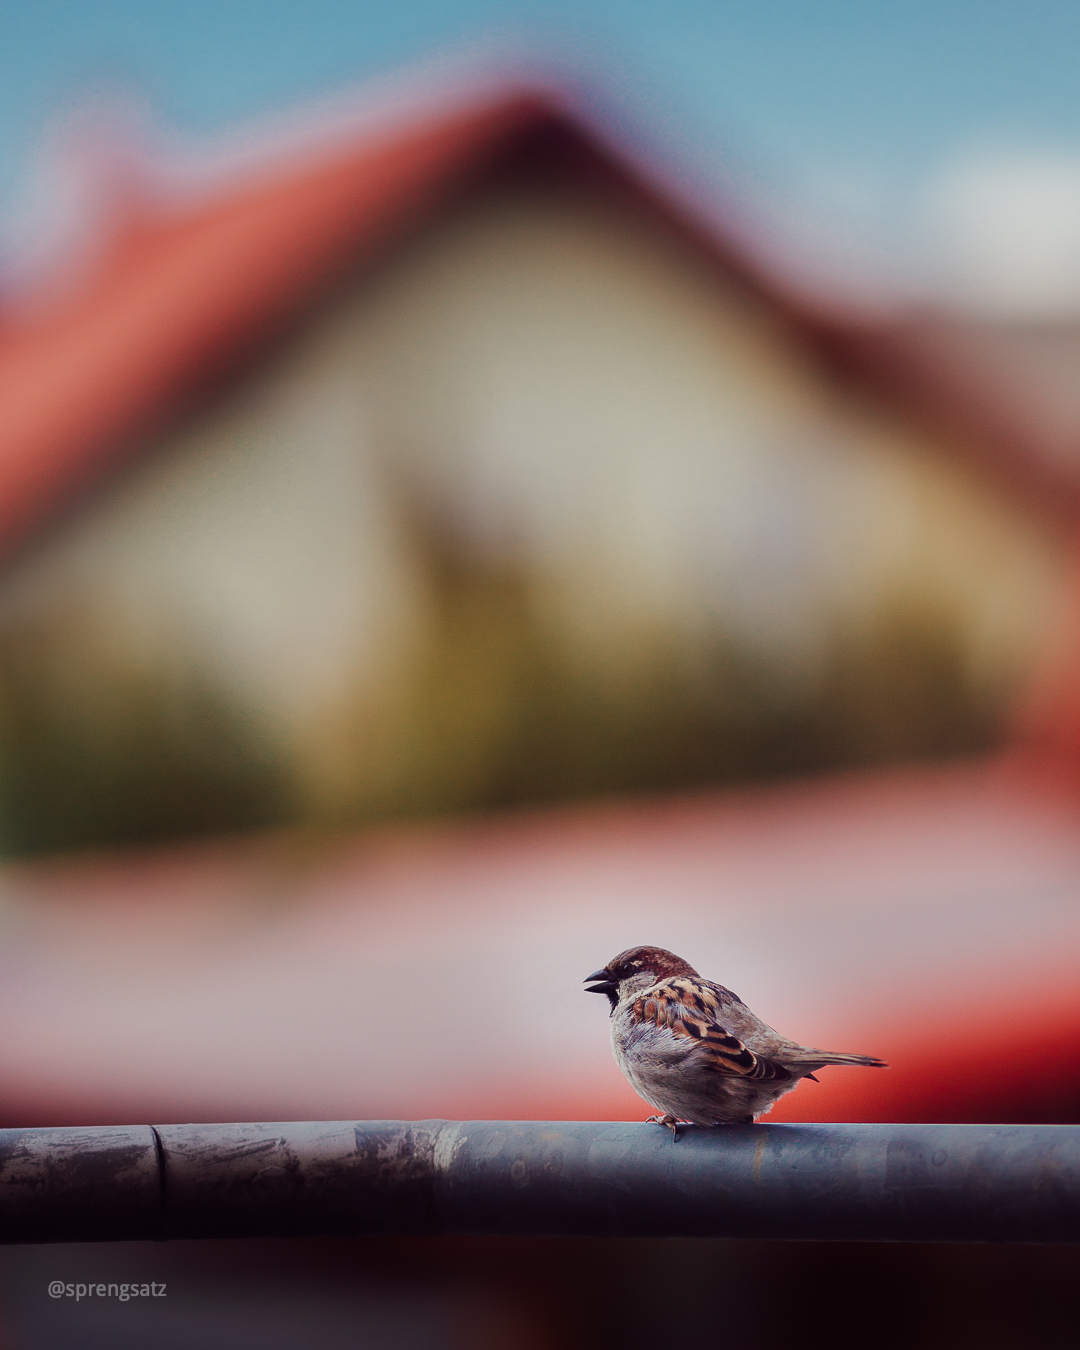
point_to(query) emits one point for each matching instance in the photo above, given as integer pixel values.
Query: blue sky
(890, 119)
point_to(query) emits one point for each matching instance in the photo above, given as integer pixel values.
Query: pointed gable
(184, 298)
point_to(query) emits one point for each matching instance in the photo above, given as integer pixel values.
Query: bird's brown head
(634, 969)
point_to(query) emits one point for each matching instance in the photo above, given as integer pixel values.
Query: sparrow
(693, 1049)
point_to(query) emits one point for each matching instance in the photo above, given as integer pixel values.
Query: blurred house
(462, 467)
(456, 467)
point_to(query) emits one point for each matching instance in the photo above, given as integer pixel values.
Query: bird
(693, 1049)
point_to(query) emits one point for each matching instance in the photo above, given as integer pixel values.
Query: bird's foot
(670, 1121)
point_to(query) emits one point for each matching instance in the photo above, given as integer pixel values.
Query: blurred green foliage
(98, 748)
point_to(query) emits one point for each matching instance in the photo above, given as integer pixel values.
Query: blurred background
(484, 485)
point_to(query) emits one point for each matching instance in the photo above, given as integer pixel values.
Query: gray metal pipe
(914, 1183)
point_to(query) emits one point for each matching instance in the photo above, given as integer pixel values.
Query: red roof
(184, 296)
(188, 293)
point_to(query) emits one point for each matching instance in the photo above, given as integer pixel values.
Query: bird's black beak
(606, 984)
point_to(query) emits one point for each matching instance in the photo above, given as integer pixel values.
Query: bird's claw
(668, 1120)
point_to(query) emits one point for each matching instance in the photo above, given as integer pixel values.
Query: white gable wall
(569, 395)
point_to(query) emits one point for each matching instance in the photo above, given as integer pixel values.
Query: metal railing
(921, 1183)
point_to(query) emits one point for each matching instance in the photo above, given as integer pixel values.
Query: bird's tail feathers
(815, 1059)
